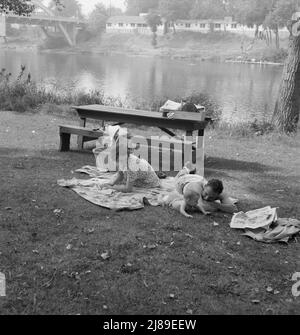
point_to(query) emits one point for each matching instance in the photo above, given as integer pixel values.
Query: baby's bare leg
(181, 205)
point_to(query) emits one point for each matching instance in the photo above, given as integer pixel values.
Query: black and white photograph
(149, 160)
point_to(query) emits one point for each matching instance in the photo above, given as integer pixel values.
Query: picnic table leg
(188, 150)
(200, 153)
(82, 123)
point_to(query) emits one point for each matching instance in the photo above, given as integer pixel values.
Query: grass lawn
(53, 263)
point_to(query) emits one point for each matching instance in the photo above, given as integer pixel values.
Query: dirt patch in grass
(53, 261)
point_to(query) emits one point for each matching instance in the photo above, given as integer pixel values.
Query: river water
(243, 91)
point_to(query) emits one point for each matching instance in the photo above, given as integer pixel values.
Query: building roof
(126, 19)
(192, 21)
(204, 21)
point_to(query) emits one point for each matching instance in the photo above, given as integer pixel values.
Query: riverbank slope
(213, 46)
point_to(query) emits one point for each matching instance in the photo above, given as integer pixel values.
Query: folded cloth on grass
(263, 225)
(91, 190)
(281, 231)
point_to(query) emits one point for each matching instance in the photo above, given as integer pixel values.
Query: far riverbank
(218, 47)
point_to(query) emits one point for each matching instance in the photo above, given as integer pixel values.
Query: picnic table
(191, 123)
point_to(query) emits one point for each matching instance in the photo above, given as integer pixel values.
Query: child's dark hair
(189, 107)
(216, 185)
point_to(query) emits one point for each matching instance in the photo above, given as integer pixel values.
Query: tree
(208, 9)
(20, 7)
(153, 20)
(251, 13)
(98, 17)
(286, 113)
(68, 8)
(279, 16)
(135, 7)
(172, 10)
(114, 11)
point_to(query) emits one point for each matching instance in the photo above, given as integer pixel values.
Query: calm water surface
(243, 91)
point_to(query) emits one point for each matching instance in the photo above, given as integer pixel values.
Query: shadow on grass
(217, 163)
(274, 190)
(265, 185)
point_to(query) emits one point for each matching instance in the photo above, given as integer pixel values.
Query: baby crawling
(190, 200)
(192, 192)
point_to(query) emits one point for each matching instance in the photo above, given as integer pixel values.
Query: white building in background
(127, 24)
(138, 24)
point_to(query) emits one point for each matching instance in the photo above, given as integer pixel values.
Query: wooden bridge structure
(69, 27)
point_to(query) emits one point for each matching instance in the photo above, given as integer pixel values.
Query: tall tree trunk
(271, 37)
(154, 39)
(174, 28)
(166, 27)
(256, 30)
(267, 37)
(276, 31)
(286, 113)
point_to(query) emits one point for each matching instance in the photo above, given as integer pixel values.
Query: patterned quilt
(90, 190)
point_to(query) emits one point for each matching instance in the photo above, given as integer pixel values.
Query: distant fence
(239, 30)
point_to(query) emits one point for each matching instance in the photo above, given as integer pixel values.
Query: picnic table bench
(188, 122)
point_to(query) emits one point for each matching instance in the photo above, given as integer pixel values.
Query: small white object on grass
(105, 256)
(256, 302)
(2, 285)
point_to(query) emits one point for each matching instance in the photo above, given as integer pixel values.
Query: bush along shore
(25, 95)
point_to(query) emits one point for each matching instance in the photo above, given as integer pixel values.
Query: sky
(88, 5)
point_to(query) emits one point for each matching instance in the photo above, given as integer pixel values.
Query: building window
(218, 25)
(139, 25)
(144, 25)
(202, 25)
(120, 24)
(132, 24)
(188, 25)
(109, 25)
(234, 26)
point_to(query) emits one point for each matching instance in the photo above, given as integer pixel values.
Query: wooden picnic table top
(181, 120)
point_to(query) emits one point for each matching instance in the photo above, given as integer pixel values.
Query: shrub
(57, 42)
(22, 94)
(245, 129)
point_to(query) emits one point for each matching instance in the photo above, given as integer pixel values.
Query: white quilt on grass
(90, 189)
